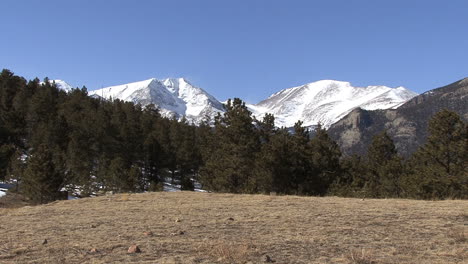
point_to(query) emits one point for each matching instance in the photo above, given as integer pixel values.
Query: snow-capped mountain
(62, 85)
(174, 97)
(327, 101)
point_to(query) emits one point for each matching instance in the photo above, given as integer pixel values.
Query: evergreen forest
(52, 140)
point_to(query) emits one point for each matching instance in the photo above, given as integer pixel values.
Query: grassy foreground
(187, 227)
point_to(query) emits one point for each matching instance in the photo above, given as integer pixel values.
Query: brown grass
(228, 228)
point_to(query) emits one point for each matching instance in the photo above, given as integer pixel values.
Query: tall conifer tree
(439, 167)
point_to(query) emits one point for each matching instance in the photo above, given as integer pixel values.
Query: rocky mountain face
(407, 124)
(176, 98)
(327, 101)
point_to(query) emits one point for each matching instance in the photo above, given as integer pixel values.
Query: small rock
(134, 249)
(148, 233)
(44, 242)
(93, 226)
(93, 250)
(177, 220)
(178, 233)
(230, 219)
(266, 259)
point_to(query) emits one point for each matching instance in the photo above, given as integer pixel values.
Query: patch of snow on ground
(4, 188)
(174, 187)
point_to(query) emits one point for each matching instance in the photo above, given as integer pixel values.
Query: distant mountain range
(406, 125)
(352, 114)
(324, 101)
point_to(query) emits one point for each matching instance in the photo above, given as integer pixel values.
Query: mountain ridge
(175, 97)
(406, 125)
(323, 101)
(326, 101)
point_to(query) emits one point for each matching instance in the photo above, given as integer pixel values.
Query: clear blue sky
(239, 48)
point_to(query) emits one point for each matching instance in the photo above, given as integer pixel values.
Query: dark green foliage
(384, 168)
(439, 168)
(352, 179)
(42, 179)
(266, 128)
(119, 178)
(274, 166)
(228, 167)
(325, 157)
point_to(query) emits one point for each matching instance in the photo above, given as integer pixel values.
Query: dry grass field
(186, 227)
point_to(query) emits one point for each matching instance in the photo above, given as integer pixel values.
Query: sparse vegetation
(458, 235)
(229, 252)
(234, 228)
(362, 256)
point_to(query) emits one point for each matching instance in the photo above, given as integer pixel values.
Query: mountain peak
(323, 101)
(62, 85)
(175, 97)
(329, 82)
(326, 101)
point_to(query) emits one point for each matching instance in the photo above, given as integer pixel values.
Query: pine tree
(439, 167)
(152, 149)
(42, 178)
(266, 127)
(352, 179)
(275, 163)
(6, 151)
(325, 156)
(301, 162)
(229, 167)
(11, 118)
(121, 177)
(384, 168)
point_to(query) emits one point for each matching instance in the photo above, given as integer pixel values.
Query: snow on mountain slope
(327, 101)
(62, 85)
(174, 97)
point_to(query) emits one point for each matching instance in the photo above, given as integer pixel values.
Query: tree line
(51, 139)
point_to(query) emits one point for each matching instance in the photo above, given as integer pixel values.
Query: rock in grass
(148, 233)
(44, 242)
(178, 233)
(133, 249)
(266, 259)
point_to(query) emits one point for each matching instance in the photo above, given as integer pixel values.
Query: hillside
(407, 125)
(225, 228)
